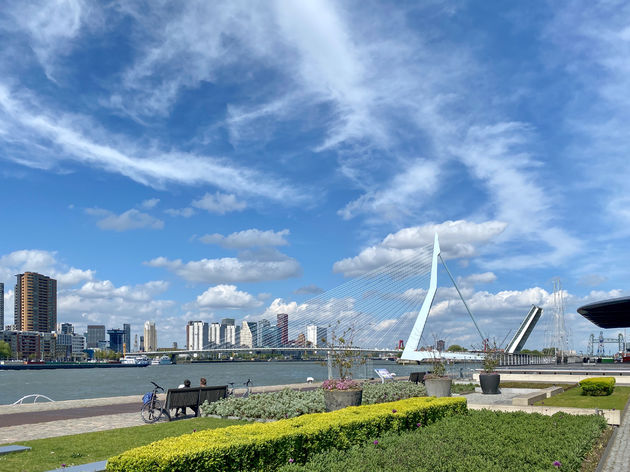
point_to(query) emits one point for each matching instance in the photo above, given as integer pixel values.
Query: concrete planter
(490, 383)
(338, 399)
(440, 387)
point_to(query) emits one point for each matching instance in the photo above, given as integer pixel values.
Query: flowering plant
(340, 384)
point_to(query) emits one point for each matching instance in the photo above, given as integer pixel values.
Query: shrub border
(268, 445)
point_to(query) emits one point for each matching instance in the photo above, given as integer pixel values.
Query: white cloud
(458, 239)
(150, 203)
(247, 239)
(183, 212)
(52, 27)
(226, 296)
(130, 219)
(219, 203)
(310, 289)
(232, 270)
(43, 262)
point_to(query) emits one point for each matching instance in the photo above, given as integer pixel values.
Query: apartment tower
(150, 336)
(283, 326)
(35, 306)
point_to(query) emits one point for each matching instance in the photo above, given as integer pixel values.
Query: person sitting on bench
(182, 410)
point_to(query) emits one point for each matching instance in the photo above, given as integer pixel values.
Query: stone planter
(338, 399)
(490, 383)
(440, 387)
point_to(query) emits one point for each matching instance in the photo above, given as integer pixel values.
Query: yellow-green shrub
(598, 386)
(265, 446)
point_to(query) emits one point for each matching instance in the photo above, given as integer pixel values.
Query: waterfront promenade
(45, 420)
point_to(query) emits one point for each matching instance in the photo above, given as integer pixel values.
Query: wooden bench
(192, 397)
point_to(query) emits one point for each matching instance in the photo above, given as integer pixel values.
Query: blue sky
(178, 161)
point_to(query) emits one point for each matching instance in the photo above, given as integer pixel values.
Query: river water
(72, 384)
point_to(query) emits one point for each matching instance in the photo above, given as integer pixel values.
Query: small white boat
(135, 360)
(164, 360)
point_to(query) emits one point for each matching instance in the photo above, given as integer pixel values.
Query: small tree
(341, 352)
(5, 350)
(455, 348)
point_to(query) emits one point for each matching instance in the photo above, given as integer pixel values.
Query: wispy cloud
(128, 220)
(60, 137)
(247, 239)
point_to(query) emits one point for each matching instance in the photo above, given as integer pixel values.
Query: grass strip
(51, 453)
(540, 385)
(573, 398)
(480, 440)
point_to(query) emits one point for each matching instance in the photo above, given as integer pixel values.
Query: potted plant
(489, 378)
(342, 391)
(437, 383)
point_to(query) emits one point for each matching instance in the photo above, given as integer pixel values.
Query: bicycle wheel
(152, 411)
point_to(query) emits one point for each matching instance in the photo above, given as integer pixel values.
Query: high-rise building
(95, 333)
(66, 328)
(317, 336)
(249, 334)
(116, 337)
(214, 337)
(35, 306)
(150, 336)
(228, 321)
(141, 343)
(232, 335)
(283, 326)
(262, 325)
(197, 333)
(1, 306)
(127, 337)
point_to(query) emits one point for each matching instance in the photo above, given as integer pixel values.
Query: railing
(524, 359)
(35, 397)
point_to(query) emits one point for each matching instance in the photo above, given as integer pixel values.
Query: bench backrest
(212, 394)
(193, 396)
(180, 397)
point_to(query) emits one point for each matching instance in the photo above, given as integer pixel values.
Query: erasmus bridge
(382, 311)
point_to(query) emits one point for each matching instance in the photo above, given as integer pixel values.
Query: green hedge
(265, 446)
(598, 386)
(291, 403)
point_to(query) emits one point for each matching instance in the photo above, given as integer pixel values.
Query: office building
(228, 321)
(197, 334)
(127, 337)
(1, 306)
(150, 336)
(95, 334)
(283, 326)
(141, 343)
(316, 336)
(35, 307)
(249, 336)
(262, 325)
(270, 335)
(116, 337)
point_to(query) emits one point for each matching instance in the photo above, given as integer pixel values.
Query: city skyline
(232, 160)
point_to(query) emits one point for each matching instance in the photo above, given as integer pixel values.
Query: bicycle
(230, 390)
(152, 406)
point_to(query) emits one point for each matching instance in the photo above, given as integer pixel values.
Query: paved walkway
(618, 458)
(45, 420)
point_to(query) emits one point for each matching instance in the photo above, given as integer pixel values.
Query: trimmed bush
(482, 440)
(291, 403)
(265, 446)
(598, 386)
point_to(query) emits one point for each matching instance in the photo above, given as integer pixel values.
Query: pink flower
(394, 410)
(557, 464)
(419, 424)
(375, 442)
(291, 461)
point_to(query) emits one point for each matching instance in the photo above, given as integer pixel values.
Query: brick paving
(618, 458)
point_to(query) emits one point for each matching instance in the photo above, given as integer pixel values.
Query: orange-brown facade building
(35, 303)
